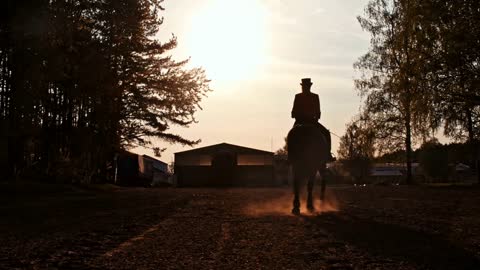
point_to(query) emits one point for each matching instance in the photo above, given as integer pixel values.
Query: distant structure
(141, 170)
(224, 165)
(390, 173)
(283, 174)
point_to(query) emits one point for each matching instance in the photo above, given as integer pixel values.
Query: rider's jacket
(306, 107)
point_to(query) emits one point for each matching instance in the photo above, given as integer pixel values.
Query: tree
(21, 26)
(462, 121)
(393, 80)
(454, 30)
(422, 71)
(283, 150)
(80, 80)
(455, 27)
(433, 158)
(357, 149)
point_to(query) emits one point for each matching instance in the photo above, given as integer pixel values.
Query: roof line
(200, 148)
(145, 155)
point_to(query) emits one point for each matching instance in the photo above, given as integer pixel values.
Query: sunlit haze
(228, 39)
(255, 52)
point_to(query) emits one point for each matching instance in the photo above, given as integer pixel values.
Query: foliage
(433, 158)
(456, 30)
(454, 71)
(284, 150)
(384, 82)
(462, 122)
(357, 150)
(80, 80)
(410, 79)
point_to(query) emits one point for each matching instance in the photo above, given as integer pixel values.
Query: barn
(224, 165)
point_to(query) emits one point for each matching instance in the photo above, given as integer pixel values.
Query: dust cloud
(282, 205)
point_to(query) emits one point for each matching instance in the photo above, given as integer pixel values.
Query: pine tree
(80, 80)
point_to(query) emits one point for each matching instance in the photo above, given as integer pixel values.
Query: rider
(306, 110)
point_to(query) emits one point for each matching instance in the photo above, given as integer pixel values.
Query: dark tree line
(422, 72)
(80, 80)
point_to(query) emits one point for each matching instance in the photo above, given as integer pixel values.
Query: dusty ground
(358, 228)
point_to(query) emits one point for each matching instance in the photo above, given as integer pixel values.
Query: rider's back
(306, 107)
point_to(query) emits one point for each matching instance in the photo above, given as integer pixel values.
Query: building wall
(194, 176)
(206, 160)
(282, 172)
(193, 160)
(224, 165)
(137, 170)
(254, 160)
(243, 176)
(254, 176)
(128, 173)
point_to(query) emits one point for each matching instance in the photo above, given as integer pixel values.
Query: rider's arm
(295, 107)
(318, 113)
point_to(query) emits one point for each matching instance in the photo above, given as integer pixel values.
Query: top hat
(306, 81)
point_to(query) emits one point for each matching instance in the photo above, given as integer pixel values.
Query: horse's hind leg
(311, 180)
(323, 184)
(296, 193)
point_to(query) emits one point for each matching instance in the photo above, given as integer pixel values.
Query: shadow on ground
(397, 242)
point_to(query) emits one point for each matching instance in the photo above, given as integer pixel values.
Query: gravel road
(356, 228)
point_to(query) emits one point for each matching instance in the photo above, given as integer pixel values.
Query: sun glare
(228, 39)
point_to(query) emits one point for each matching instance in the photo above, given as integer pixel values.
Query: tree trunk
(408, 149)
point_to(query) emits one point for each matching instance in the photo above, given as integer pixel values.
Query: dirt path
(369, 228)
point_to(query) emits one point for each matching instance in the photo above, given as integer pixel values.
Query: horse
(308, 153)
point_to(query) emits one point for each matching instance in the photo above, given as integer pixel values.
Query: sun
(228, 39)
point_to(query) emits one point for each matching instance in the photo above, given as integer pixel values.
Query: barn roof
(225, 147)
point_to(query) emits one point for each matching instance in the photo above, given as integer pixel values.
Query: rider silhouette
(306, 109)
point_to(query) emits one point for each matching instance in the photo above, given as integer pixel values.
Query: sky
(256, 52)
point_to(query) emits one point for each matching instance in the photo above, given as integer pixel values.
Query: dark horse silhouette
(308, 154)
